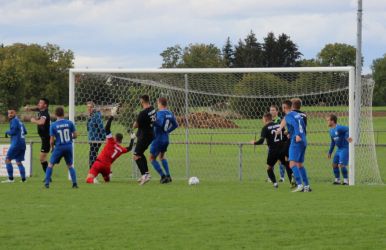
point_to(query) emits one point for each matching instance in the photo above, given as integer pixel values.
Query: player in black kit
(43, 121)
(277, 148)
(145, 136)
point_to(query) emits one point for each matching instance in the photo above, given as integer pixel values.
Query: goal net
(219, 112)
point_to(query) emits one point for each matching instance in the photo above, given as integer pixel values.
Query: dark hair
(145, 98)
(275, 106)
(119, 137)
(163, 101)
(296, 103)
(45, 100)
(268, 116)
(59, 112)
(288, 103)
(333, 118)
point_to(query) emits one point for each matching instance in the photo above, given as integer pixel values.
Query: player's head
(145, 100)
(274, 110)
(296, 103)
(119, 137)
(162, 102)
(59, 112)
(332, 120)
(11, 113)
(267, 118)
(90, 106)
(43, 103)
(286, 106)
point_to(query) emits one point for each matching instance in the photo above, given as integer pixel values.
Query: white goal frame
(354, 107)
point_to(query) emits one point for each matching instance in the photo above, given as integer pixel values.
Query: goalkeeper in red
(111, 151)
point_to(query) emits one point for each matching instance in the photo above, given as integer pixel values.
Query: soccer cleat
(299, 188)
(47, 186)
(45, 180)
(307, 189)
(268, 180)
(145, 178)
(275, 185)
(345, 184)
(8, 181)
(163, 179)
(336, 183)
(23, 180)
(75, 185)
(169, 178)
(96, 181)
(281, 179)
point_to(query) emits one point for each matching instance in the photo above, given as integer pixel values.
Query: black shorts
(46, 147)
(287, 146)
(275, 155)
(142, 144)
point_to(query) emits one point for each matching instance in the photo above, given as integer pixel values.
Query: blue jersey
(62, 130)
(339, 136)
(164, 124)
(17, 131)
(296, 126)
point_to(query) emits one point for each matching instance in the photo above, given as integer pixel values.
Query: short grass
(212, 215)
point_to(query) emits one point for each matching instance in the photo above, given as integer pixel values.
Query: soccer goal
(219, 112)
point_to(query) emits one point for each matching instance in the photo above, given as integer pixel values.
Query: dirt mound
(206, 120)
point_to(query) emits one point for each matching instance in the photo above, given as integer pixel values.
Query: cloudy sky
(132, 34)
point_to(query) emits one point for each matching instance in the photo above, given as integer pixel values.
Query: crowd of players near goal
(287, 146)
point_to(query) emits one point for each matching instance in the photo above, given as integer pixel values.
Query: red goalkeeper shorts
(100, 168)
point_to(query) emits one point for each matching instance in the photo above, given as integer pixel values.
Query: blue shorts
(297, 152)
(62, 151)
(341, 157)
(16, 153)
(158, 147)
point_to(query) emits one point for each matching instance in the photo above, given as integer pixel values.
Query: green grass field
(220, 213)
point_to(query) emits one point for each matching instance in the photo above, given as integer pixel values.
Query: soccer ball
(193, 180)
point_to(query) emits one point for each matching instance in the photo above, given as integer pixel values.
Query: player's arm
(345, 131)
(52, 142)
(39, 121)
(297, 131)
(332, 146)
(13, 129)
(283, 123)
(263, 135)
(130, 147)
(174, 124)
(108, 125)
(74, 132)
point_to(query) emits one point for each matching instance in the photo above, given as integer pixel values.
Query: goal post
(220, 110)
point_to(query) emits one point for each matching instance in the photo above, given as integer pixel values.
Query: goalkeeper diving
(111, 151)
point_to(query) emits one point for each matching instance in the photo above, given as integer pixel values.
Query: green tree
(172, 57)
(228, 53)
(202, 56)
(379, 75)
(337, 54)
(288, 52)
(248, 53)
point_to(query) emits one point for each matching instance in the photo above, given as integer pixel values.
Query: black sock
(271, 175)
(140, 165)
(289, 171)
(145, 167)
(44, 166)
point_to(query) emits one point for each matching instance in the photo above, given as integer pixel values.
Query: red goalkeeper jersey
(111, 151)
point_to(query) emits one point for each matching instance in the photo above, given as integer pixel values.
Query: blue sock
(9, 170)
(22, 172)
(282, 170)
(295, 171)
(344, 172)
(157, 167)
(303, 173)
(72, 174)
(48, 175)
(165, 164)
(336, 173)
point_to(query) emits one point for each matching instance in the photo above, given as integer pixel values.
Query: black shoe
(47, 186)
(169, 178)
(163, 179)
(345, 184)
(45, 180)
(75, 185)
(336, 183)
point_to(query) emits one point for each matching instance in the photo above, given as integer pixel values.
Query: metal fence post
(187, 159)
(240, 162)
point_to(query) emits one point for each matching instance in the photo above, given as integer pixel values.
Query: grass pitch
(212, 215)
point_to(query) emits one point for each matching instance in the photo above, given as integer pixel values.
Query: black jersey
(145, 121)
(274, 140)
(44, 130)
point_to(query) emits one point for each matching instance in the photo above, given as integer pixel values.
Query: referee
(43, 121)
(145, 136)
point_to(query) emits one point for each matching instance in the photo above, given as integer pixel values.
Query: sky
(132, 34)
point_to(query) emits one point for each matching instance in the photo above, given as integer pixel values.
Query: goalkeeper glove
(114, 111)
(133, 136)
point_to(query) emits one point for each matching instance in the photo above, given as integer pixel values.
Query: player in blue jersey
(339, 138)
(298, 142)
(62, 133)
(164, 124)
(16, 151)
